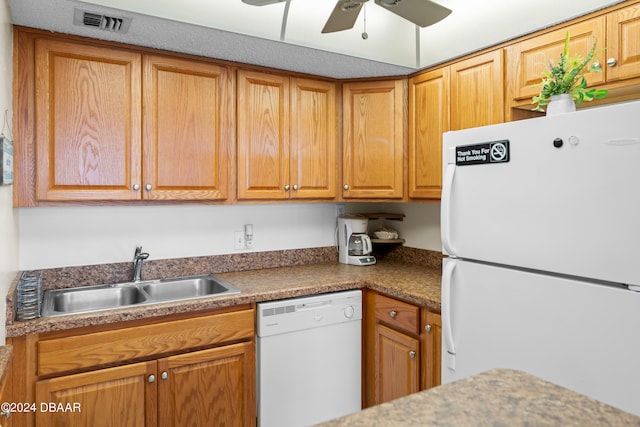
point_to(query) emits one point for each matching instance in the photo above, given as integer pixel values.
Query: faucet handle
(138, 250)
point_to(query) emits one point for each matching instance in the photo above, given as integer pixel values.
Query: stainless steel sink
(188, 287)
(90, 298)
(87, 299)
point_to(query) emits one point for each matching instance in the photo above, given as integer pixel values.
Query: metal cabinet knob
(148, 187)
(346, 187)
(412, 354)
(295, 187)
(164, 375)
(136, 187)
(611, 62)
(287, 187)
(427, 328)
(393, 314)
(151, 378)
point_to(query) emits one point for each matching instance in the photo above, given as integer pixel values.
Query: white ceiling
(232, 30)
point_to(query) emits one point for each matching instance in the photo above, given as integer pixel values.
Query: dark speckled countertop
(495, 398)
(411, 282)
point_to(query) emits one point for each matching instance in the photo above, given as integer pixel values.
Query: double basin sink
(87, 299)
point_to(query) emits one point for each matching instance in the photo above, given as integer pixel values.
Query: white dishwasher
(309, 359)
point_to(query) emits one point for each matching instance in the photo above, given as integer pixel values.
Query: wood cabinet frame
(387, 340)
(60, 360)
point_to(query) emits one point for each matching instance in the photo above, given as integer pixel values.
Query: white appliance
(354, 245)
(541, 222)
(309, 359)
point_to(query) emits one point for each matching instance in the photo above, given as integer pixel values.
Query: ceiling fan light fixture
(352, 4)
(389, 3)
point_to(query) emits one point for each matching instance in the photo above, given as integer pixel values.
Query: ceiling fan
(420, 12)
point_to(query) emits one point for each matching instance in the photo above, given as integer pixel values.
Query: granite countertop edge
(499, 397)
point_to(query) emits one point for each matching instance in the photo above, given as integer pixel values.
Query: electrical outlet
(239, 242)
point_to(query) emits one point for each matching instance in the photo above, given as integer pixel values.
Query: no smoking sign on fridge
(480, 154)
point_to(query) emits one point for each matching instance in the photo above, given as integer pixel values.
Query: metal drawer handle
(427, 328)
(412, 354)
(393, 314)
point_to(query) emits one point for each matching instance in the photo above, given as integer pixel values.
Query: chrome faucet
(138, 259)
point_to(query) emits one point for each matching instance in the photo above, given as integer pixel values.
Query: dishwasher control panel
(277, 317)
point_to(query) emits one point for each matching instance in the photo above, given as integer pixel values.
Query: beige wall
(8, 218)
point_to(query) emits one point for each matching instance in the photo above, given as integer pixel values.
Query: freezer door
(582, 336)
(566, 198)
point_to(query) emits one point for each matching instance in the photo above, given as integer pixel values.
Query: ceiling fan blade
(421, 12)
(343, 17)
(261, 2)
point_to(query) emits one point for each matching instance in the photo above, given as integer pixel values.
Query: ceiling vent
(116, 24)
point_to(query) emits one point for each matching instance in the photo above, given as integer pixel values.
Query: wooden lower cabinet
(402, 343)
(397, 357)
(208, 388)
(203, 388)
(178, 371)
(120, 396)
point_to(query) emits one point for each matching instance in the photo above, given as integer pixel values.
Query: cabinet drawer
(401, 315)
(117, 346)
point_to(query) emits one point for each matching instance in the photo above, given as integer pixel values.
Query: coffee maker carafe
(354, 245)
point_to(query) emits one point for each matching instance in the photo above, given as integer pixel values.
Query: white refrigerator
(540, 220)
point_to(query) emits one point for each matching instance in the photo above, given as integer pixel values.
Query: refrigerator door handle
(446, 203)
(447, 334)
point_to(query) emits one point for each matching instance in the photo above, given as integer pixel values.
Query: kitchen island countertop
(500, 397)
(411, 282)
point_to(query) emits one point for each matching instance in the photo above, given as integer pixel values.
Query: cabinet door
(428, 120)
(623, 46)
(89, 122)
(432, 350)
(188, 113)
(208, 387)
(528, 59)
(477, 93)
(112, 397)
(313, 139)
(373, 148)
(263, 136)
(397, 357)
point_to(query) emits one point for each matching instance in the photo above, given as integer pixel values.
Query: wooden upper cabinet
(623, 44)
(477, 91)
(528, 59)
(188, 129)
(88, 127)
(428, 120)
(263, 136)
(313, 139)
(373, 139)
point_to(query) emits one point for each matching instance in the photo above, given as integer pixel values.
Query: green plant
(567, 76)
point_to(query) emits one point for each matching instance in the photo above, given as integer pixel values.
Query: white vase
(561, 104)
